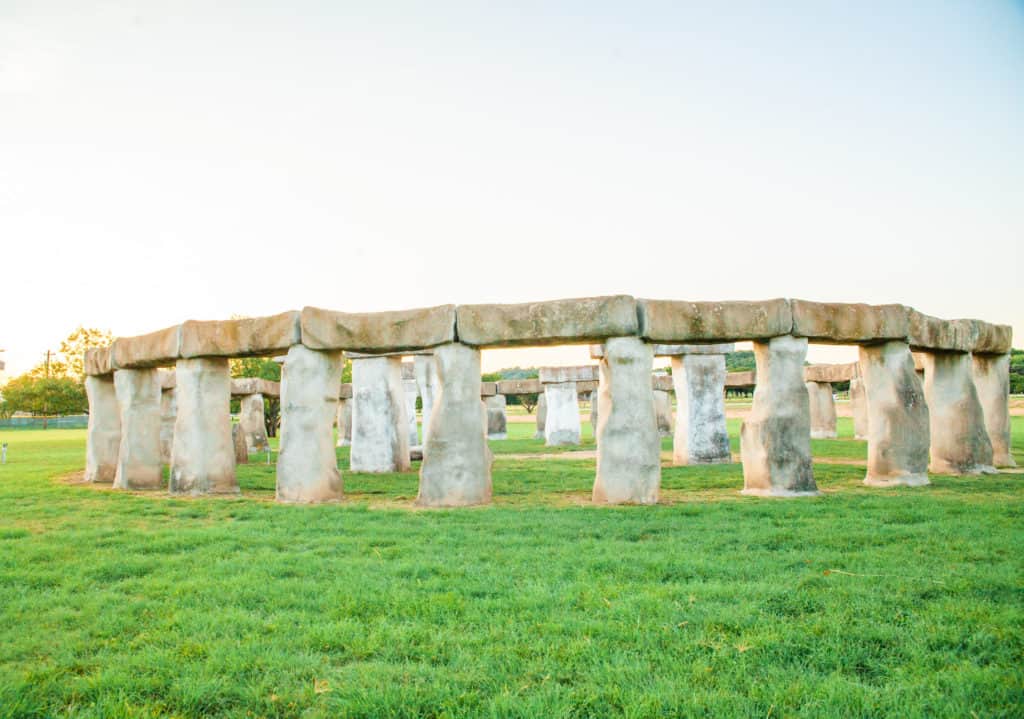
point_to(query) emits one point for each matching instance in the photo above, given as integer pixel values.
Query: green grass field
(860, 603)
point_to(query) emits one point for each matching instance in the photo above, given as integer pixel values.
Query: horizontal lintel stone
(519, 386)
(156, 349)
(244, 337)
(378, 332)
(741, 379)
(676, 322)
(488, 389)
(243, 386)
(831, 372)
(571, 321)
(346, 391)
(97, 362)
(933, 333)
(582, 373)
(846, 323)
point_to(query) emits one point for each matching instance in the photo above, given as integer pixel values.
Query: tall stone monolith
(775, 438)
(203, 457)
(959, 439)
(663, 412)
(378, 445)
(103, 438)
(139, 465)
(168, 416)
(595, 412)
(859, 408)
(701, 436)
(562, 418)
(344, 422)
(628, 448)
(238, 441)
(456, 469)
(497, 421)
(427, 384)
(411, 394)
(822, 407)
(307, 466)
(992, 382)
(897, 416)
(542, 415)
(252, 419)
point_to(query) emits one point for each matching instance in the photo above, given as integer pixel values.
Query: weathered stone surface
(680, 350)
(344, 422)
(595, 411)
(429, 387)
(741, 379)
(897, 424)
(701, 436)
(562, 419)
(97, 362)
(408, 371)
(242, 386)
(509, 387)
(859, 408)
(497, 421)
(456, 469)
(675, 322)
(168, 380)
(831, 372)
(247, 337)
(346, 391)
(845, 323)
(583, 373)
(307, 467)
(252, 420)
(992, 382)
(628, 448)
(411, 394)
(168, 416)
(488, 389)
(932, 333)
(378, 331)
(572, 321)
(959, 440)
(586, 387)
(663, 411)
(662, 383)
(378, 411)
(238, 441)
(103, 438)
(203, 457)
(138, 458)
(775, 438)
(156, 349)
(542, 415)
(823, 410)
(991, 339)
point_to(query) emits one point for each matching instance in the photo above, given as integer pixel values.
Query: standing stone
(168, 416)
(344, 422)
(701, 436)
(307, 466)
(253, 422)
(542, 415)
(427, 384)
(663, 412)
(456, 469)
(562, 421)
(104, 435)
(377, 414)
(775, 439)
(203, 458)
(823, 410)
(238, 440)
(959, 440)
(628, 448)
(859, 408)
(897, 416)
(411, 393)
(992, 382)
(138, 457)
(497, 421)
(594, 412)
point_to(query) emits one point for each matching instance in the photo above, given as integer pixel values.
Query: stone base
(903, 480)
(941, 467)
(562, 438)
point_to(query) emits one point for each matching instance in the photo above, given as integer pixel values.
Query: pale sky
(163, 161)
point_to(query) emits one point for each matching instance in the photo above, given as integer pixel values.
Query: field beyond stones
(864, 602)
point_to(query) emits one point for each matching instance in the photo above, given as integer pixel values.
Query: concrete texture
(822, 407)
(675, 322)
(203, 457)
(510, 387)
(168, 416)
(497, 421)
(138, 458)
(845, 323)
(992, 382)
(252, 419)
(628, 448)
(238, 441)
(307, 467)
(344, 422)
(959, 439)
(97, 362)
(701, 436)
(562, 420)
(542, 415)
(775, 438)
(246, 337)
(582, 373)
(897, 423)
(831, 372)
(570, 321)
(378, 331)
(411, 393)
(103, 438)
(859, 408)
(663, 412)
(456, 468)
(155, 349)
(378, 411)
(428, 386)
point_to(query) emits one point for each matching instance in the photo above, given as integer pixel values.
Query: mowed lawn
(860, 603)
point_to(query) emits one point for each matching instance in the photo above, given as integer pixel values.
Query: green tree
(1017, 371)
(44, 396)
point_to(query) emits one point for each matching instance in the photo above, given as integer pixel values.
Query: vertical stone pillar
(203, 459)
(307, 467)
(253, 422)
(542, 415)
(344, 422)
(775, 439)
(104, 435)
(992, 382)
(238, 441)
(897, 417)
(701, 436)
(663, 412)
(427, 384)
(859, 408)
(411, 393)
(168, 416)
(628, 447)
(959, 440)
(138, 457)
(377, 413)
(823, 410)
(595, 412)
(456, 469)
(562, 421)
(497, 421)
